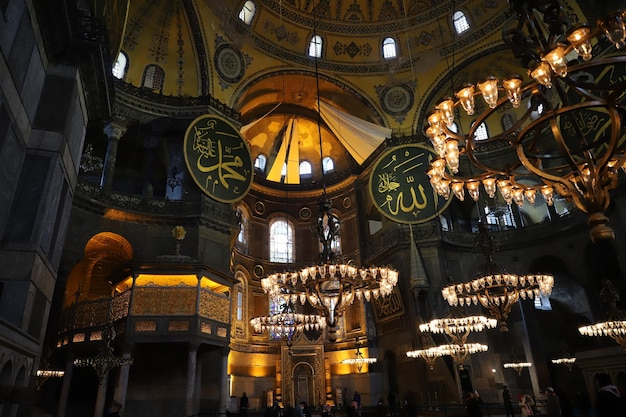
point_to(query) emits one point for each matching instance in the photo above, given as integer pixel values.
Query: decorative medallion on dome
(218, 158)
(230, 63)
(397, 99)
(400, 187)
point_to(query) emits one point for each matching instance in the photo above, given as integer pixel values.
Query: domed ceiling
(261, 69)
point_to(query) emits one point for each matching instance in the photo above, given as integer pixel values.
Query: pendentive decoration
(218, 158)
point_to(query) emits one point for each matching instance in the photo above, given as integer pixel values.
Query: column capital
(115, 130)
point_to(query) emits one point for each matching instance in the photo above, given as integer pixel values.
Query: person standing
(553, 403)
(356, 399)
(243, 405)
(472, 405)
(609, 401)
(391, 399)
(508, 401)
(525, 405)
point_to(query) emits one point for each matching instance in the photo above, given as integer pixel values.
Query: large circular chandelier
(615, 326)
(565, 135)
(497, 291)
(287, 324)
(457, 352)
(458, 328)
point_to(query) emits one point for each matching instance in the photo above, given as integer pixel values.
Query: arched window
(120, 66)
(283, 170)
(460, 22)
(281, 241)
(260, 162)
(239, 305)
(481, 132)
(328, 164)
(247, 12)
(389, 48)
(315, 47)
(153, 78)
(507, 121)
(305, 169)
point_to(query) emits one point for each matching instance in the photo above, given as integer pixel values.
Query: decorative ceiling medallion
(218, 158)
(400, 188)
(259, 207)
(305, 213)
(229, 63)
(397, 99)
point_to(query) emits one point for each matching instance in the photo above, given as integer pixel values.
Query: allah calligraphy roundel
(218, 158)
(400, 187)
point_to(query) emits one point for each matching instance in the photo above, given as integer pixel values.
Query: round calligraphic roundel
(218, 158)
(401, 189)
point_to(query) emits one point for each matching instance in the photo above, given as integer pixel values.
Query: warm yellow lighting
(542, 73)
(466, 97)
(457, 352)
(446, 107)
(556, 59)
(472, 189)
(458, 328)
(517, 366)
(489, 90)
(615, 329)
(569, 362)
(513, 87)
(614, 28)
(578, 36)
(46, 373)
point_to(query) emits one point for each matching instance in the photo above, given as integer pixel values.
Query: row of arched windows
(389, 44)
(305, 169)
(153, 75)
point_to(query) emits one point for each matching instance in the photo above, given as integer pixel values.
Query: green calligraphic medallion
(218, 158)
(400, 187)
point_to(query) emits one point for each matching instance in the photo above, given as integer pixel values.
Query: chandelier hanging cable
(359, 360)
(565, 136)
(496, 290)
(333, 284)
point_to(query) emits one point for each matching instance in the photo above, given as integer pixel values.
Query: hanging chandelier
(287, 324)
(458, 328)
(615, 326)
(457, 352)
(105, 360)
(567, 361)
(566, 133)
(496, 290)
(332, 284)
(359, 360)
(517, 366)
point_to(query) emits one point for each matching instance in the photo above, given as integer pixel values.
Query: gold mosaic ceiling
(205, 49)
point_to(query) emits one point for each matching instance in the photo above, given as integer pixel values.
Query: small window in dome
(460, 22)
(119, 67)
(315, 47)
(389, 48)
(481, 132)
(260, 162)
(305, 169)
(153, 78)
(247, 12)
(283, 171)
(328, 164)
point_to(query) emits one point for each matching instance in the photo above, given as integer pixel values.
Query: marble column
(114, 131)
(224, 382)
(101, 397)
(192, 363)
(122, 380)
(65, 387)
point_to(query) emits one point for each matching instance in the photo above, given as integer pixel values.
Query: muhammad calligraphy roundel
(400, 187)
(218, 158)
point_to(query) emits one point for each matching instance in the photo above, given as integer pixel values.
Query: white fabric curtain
(359, 137)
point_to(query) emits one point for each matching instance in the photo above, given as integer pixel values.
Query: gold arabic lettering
(225, 170)
(414, 207)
